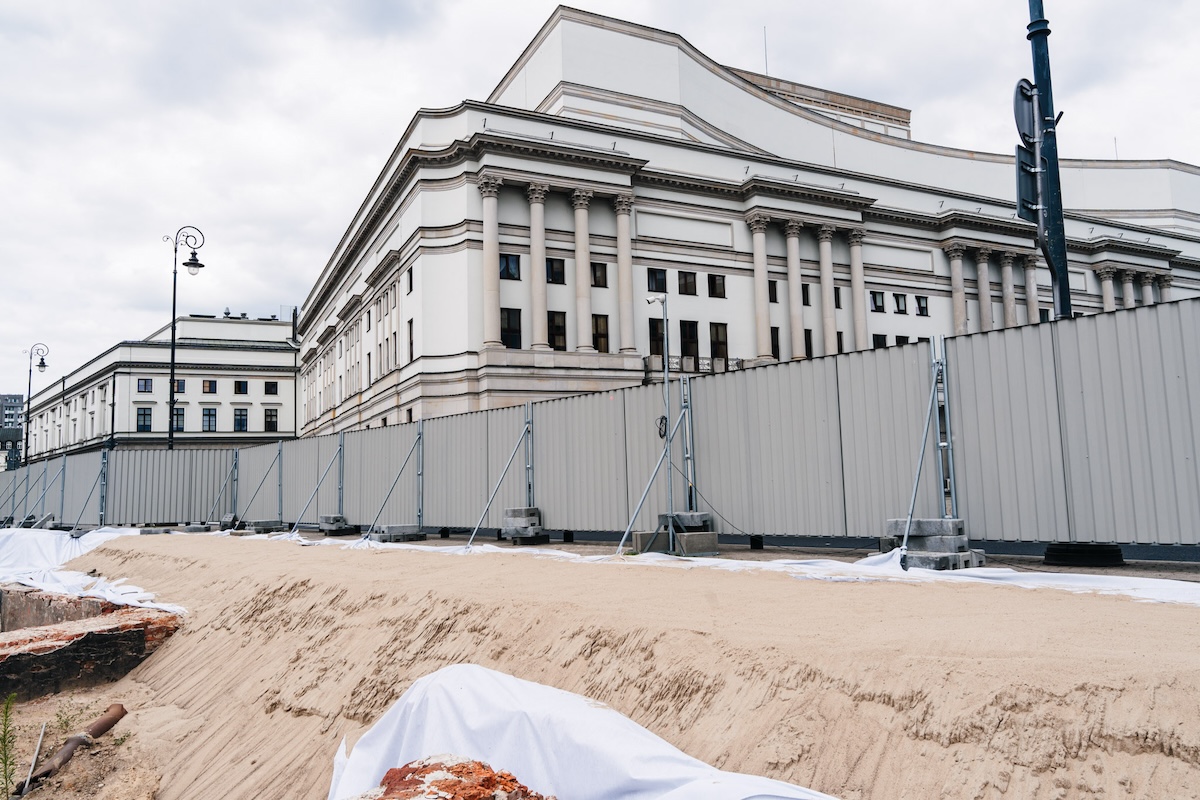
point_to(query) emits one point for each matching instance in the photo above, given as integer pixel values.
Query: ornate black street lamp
(191, 238)
(41, 351)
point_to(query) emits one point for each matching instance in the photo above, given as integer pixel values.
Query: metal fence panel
(167, 486)
(456, 469)
(768, 451)
(1131, 391)
(327, 494)
(80, 500)
(373, 458)
(1007, 442)
(644, 406)
(884, 398)
(9, 481)
(258, 483)
(580, 476)
(504, 426)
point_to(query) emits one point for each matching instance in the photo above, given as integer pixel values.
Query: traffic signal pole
(1054, 239)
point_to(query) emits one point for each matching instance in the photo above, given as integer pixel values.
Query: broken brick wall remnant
(448, 777)
(25, 607)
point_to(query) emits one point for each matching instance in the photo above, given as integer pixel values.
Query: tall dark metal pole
(192, 238)
(41, 351)
(1054, 243)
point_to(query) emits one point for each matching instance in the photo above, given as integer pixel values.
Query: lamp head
(656, 298)
(41, 365)
(193, 265)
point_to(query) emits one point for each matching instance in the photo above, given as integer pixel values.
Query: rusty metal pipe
(102, 725)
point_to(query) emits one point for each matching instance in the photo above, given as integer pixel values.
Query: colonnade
(1129, 299)
(1008, 259)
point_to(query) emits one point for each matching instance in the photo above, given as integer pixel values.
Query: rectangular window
(369, 379)
(689, 338)
(877, 305)
(208, 419)
(600, 333)
(270, 387)
(394, 293)
(145, 385)
(556, 329)
(804, 294)
(510, 267)
(241, 419)
(144, 417)
(837, 297)
(718, 340)
(808, 342)
(773, 291)
(901, 301)
(410, 340)
(209, 387)
(656, 280)
(408, 280)
(179, 384)
(510, 328)
(241, 387)
(775, 343)
(368, 319)
(687, 282)
(716, 285)
(271, 420)
(841, 342)
(1043, 315)
(177, 425)
(878, 340)
(656, 337)
(556, 270)
(901, 340)
(922, 305)
(599, 275)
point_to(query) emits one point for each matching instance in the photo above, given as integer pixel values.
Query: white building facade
(505, 251)
(235, 386)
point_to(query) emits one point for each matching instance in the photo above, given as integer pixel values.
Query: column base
(629, 350)
(587, 349)
(493, 345)
(540, 347)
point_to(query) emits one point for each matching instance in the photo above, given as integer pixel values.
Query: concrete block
(197, 528)
(397, 533)
(532, 538)
(263, 526)
(651, 541)
(943, 561)
(514, 532)
(688, 521)
(698, 543)
(926, 527)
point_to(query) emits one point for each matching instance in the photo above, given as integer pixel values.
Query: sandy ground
(861, 690)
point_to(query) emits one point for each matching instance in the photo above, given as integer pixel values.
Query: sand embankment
(861, 690)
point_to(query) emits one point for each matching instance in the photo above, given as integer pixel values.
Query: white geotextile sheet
(552, 741)
(878, 567)
(33, 557)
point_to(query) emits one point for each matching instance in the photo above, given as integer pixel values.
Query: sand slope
(861, 690)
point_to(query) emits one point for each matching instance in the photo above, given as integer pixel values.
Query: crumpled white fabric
(554, 742)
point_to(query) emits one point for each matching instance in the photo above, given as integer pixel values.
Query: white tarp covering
(553, 741)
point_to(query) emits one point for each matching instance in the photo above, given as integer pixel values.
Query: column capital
(580, 198)
(1164, 281)
(954, 250)
(1007, 258)
(856, 236)
(825, 233)
(623, 203)
(1146, 278)
(1031, 261)
(793, 227)
(1106, 273)
(536, 192)
(983, 255)
(1127, 275)
(489, 185)
(757, 221)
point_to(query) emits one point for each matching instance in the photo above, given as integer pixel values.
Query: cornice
(1116, 244)
(756, 185)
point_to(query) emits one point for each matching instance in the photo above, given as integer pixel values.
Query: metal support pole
(949, 435)
(62, 490)
(341, 457)
(316, 489)
(392, 488)
(103, 487)
(645, 493)
(99, 481)
(529, 495)
(279, 481)
(420, 474)
(524, 431)
(934, 361)
(912, 502)
(233, 490)
(689, 442)
(220, 494)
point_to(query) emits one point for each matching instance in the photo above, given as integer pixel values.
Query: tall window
(209, 387)
(689, 338)
(656, 337)
(368, 319)
(241, 387)
(841, 342)
(556, 270)
(877, 305)
(808, 347)
(144, 417)
(716, 285)
(179, 384)
(718, 340)
(600, 333)
(241, 419)
(901, 301)
(773, 291)
(922, 305)
(775, 342)
(270, 387)
(804, 294)
(656, 280)
(510, 328)
(408, 280)
(271, 420)
(208, 419)
(556, 327)
(510, 267)
(687, 282)
(410, 340)
(145, 385)
(837, 297)
(599, 275)
(177, 422)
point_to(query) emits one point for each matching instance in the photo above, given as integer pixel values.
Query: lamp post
(191, 238)
(661, 299)
(41, 351)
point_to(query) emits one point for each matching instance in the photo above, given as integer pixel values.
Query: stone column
(1127, 289)
(1031, 291)
(958, 292)
(984, 287)
(624, 206)
(1147, 288)
(1008, 292)
(489, 187)
(1107, 295)
(795, 288)
(583, 272)
(858, 289)
(537, 266)
(1164, 288)
(828, 320)
(762, 309)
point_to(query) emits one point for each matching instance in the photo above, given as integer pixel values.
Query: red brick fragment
(452, 778)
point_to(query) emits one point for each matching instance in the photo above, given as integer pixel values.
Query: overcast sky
(264, 123)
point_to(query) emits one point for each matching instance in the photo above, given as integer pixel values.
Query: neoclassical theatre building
(508, 247)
